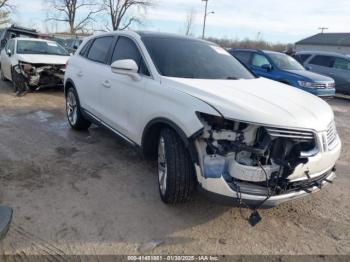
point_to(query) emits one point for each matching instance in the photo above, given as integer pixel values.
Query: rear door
(89, 67)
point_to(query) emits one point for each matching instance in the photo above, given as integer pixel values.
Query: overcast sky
(274, 20)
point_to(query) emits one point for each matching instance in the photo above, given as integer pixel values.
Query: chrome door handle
(106, 84)
(80, 73)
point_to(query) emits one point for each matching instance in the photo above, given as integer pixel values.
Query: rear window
(302, 58)
(99, 49)
(322, 60)
(244, 57)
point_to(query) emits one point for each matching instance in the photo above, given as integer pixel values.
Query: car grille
(331, 136)
(290, 133)
(323, 85)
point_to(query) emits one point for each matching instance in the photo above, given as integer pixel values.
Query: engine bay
(39, 75)
(257, 159)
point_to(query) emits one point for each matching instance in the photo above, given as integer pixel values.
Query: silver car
(335, 65)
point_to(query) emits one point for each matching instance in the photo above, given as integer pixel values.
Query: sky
(277, 21)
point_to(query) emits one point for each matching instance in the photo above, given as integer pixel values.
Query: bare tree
(120, 13)
(5, 4)
(5, 12)
(67, 11)
(190, 19)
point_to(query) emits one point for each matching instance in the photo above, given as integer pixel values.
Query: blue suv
(283, 68)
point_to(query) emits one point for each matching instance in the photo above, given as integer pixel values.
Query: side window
(127, 49)
(322, 60)
(99, 49)
(260, 60)
(244, 57)
(341, 63)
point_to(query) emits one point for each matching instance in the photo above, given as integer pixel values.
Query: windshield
(40, 47)
(285, 62)
(193, 59)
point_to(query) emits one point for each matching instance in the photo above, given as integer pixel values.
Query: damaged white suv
(31, 63)
(205, 117)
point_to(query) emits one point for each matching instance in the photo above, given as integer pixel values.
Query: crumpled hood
(260, 101)
(311, 75)
(43, 59)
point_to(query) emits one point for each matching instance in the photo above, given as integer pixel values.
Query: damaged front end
(264, 165)
(37, 76)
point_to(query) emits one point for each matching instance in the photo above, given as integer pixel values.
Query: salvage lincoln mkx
(205, 117)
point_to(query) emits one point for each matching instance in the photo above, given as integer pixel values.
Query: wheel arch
(151, 133)
(69, 83)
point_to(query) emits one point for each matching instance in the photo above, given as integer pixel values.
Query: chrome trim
(332, 136)
(110, 128)
(310, 153)
(290, 133)
(275, 200)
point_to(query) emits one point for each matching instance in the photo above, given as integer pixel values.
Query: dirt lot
(90, 193)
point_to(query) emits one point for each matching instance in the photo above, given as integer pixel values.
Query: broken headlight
(26, 67)
(220, 123)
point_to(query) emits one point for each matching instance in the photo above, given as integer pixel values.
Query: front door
(262, 66)
(122, 97)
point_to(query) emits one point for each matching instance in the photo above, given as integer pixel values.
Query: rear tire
(176, 175)
(73, 111)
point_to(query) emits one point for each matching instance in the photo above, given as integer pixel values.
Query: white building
(331, 42)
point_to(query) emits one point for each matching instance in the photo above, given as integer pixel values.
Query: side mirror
(267, 67)
(126, 67)
(8, 52)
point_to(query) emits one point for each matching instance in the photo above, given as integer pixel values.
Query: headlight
(316, 84)
(27, 68)
(220, 123)
(306, 84)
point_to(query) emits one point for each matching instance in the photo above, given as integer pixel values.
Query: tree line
(78, 15)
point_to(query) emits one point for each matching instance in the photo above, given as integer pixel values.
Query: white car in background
(32, 63)
(204, 116)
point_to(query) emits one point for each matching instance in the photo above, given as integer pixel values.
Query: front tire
(176, 174)
(73, 111)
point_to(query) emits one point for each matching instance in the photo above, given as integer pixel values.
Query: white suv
(205, 117)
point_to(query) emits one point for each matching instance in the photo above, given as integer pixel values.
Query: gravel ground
(90, 193)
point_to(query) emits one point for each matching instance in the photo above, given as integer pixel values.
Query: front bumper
(220, 189)
(323, 92)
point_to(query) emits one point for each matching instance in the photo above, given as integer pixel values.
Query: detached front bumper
(218, 188)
